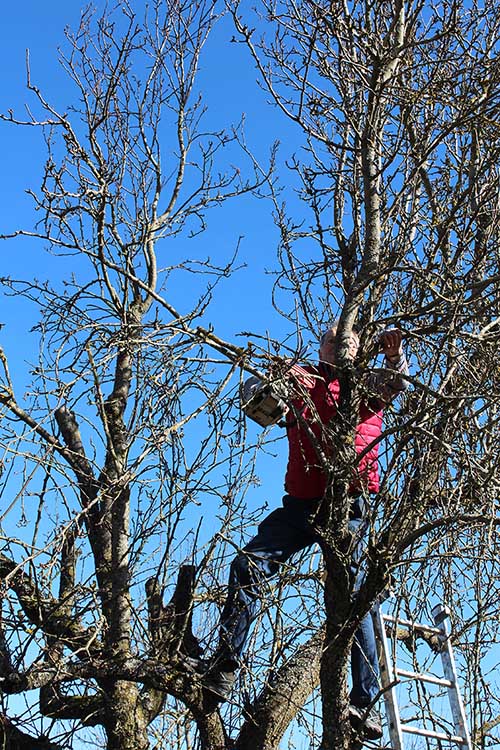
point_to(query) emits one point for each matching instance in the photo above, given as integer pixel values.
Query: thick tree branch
(282, 697)
(47, 613)
(13, 738)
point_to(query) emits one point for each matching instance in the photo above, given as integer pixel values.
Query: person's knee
(249, 570)
(241, 568)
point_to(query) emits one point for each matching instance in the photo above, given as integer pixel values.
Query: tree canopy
(126, 441)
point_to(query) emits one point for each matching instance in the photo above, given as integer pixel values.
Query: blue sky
(228, 85)
(227, 81)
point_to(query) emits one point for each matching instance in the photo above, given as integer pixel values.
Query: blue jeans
(281, 534)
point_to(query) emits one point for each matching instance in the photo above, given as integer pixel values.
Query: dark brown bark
(171, 625)
(13, 738)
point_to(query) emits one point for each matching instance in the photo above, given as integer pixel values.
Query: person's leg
(284, 532)
(364, 664)
(364, 658)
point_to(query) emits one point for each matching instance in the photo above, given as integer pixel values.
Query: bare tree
(398, 177)
(397, 103)
(121, 389)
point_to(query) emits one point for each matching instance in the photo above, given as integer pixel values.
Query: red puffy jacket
(304, 477)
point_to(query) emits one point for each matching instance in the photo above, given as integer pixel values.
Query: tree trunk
(336, 660)
(125, 719)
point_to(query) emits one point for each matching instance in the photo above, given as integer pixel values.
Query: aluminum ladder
(390, 676)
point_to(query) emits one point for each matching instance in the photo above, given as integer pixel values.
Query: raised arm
(387, 385)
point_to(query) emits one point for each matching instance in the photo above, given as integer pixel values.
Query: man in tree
(289, 529)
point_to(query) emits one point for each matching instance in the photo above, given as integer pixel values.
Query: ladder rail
(441, 617)
(388, 679)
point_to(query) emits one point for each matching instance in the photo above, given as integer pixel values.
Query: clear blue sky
(228, 82)
(227, 79)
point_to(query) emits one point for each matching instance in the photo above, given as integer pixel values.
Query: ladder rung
(413, 625)
(435, 735)
(422, 677)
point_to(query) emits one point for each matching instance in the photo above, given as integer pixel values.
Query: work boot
(218, 684)
(196, 664)
(364, 724)
(217, 677)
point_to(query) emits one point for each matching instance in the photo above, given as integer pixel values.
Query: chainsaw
(265, 402)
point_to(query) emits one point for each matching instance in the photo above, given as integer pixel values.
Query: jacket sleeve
(387, 384)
